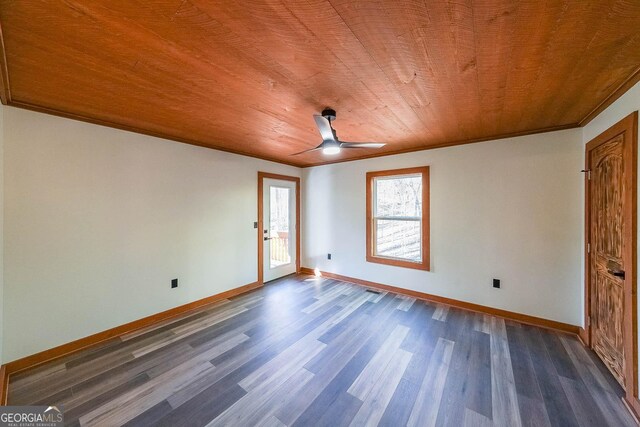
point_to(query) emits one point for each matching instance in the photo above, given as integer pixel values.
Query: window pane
(398, 239)
(279, 227)
(400, 196)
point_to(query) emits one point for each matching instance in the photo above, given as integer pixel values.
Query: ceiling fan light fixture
(330, 147)
(331, 150)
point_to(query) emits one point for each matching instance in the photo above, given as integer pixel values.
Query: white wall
(625, 105)
(510, 209)
(98, 221)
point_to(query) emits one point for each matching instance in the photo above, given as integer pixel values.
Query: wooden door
(611, 160)
(607, 263)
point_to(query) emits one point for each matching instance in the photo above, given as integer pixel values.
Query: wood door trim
(629, 127)
(505, 314)
(261, 177)
(67, 349)
(4, 385)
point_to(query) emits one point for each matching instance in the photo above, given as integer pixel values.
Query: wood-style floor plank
(555, 400)
(503, 391)
(375, 401)
(474, 419)
(425, 408)
(310, 351)
(378, 364)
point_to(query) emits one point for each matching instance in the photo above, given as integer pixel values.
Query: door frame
(629, 127)
(261, 177)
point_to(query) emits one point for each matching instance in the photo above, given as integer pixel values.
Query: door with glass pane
(279, 236)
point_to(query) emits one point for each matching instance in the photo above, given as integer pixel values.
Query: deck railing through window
(279, 245)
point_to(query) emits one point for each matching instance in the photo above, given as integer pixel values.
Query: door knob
(268, 238)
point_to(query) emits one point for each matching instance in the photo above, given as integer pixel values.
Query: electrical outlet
(328, 256)
(496, 283)
(174, 283)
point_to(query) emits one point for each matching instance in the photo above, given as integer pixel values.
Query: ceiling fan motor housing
(329, 114)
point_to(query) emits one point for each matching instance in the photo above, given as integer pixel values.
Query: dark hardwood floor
(304, 351)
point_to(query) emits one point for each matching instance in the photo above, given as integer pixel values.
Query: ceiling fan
(330, 142)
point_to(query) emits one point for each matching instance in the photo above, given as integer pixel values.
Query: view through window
(279, 226)
(398, 217)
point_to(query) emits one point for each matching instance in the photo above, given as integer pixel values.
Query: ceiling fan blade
(324, 126)
(362, 145)
(319, 147)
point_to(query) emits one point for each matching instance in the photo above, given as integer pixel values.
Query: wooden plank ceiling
(246, 76)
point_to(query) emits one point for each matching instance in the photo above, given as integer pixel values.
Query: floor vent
(373, 291)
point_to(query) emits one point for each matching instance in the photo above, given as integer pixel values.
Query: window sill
(424, 265)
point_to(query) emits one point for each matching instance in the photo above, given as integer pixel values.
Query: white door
(279, 233)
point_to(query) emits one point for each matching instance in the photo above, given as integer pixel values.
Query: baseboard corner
(583, 336)
(633, 406)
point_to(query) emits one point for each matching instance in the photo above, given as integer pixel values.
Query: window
(279, 226)
(398, 217)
